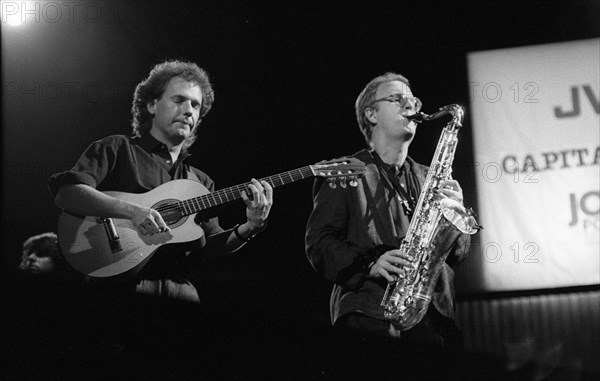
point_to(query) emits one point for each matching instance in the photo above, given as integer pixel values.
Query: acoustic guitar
(107, 247)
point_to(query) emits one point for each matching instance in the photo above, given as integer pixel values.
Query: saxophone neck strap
(408, 202)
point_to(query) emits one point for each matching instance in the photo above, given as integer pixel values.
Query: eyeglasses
(402, 100)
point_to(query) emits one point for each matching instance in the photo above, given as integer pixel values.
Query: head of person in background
(41, 255)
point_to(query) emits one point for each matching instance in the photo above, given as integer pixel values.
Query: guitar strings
(197, 204)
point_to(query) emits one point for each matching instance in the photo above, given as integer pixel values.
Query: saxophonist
(353, 235)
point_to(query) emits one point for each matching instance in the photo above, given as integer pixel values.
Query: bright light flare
(16, 13)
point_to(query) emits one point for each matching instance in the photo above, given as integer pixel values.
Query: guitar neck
(227, 195)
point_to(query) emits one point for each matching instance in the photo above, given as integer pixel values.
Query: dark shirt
(138, 165)
(403, 201)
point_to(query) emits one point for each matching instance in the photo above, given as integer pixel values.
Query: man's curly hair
(154, 87)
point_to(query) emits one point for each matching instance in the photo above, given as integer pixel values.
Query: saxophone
(431, 231)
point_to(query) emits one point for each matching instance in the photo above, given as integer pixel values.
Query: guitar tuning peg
(332, 183)
(343, 181)
(353, 183)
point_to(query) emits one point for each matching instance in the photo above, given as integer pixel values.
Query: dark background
(285, 74)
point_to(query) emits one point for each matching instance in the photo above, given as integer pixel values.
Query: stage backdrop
(535, 119)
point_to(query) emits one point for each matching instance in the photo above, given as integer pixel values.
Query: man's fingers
(149, 221)
(386, 275)
(254, 191)
(142, 229)
(257, 184)
(402, 263)
(262, 194)
(268, 190)
(451, 189)
(245, 196)
(450, 184)
(396, 254)
(154, 224)
(397, 269)
(150, 226)
(160, 223)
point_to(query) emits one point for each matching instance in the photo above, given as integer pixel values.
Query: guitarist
(168, 107)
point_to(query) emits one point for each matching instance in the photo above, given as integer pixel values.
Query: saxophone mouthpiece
(417, 118)
(454, 110)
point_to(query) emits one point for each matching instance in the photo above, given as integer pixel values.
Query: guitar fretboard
(226, 195)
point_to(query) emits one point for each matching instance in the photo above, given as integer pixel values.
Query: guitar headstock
(343, 169)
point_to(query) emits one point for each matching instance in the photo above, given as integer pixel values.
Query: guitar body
(88, 246)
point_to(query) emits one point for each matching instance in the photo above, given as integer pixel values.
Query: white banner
(536, 130)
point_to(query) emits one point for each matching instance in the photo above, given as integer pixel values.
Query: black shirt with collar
(127, 164)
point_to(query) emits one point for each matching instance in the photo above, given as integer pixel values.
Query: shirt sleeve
(460, 251)
(91, 169)
(328, 248)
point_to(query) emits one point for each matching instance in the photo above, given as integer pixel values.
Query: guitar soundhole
(170, 210)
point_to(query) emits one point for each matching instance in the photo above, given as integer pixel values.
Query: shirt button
(402, 185)
(168, 161)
